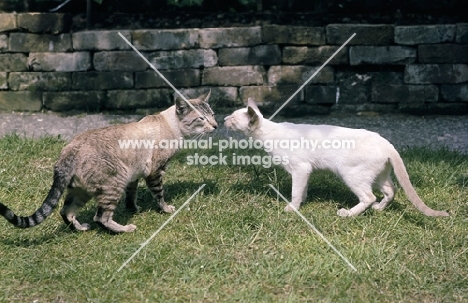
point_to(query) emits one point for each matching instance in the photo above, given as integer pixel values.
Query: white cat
(366, 160)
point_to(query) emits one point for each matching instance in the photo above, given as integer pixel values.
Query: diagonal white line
(59, 7)
(313, 228)
(160, 75)
(160, 228)
(311, 77)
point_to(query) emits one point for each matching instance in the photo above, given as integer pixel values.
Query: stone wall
(385, 68)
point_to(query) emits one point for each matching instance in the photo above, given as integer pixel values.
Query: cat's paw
(169, 209)
(343, 212)
(85, 226)
(377, 206)
(80, 227)
(289, 208)
(129, 228)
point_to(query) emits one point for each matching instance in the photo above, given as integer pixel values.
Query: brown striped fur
(94, 165)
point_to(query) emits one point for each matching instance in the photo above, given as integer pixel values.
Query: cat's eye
(201, 118)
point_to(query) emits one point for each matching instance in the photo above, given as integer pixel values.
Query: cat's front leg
(155, 184)
(300, 180)
(131, 196)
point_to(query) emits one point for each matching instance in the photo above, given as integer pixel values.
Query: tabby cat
(94, 165)
(369, 163)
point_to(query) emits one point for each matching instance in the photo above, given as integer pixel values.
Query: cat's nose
(215, 125)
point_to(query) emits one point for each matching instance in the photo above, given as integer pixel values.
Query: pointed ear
(251, 103)
(252, 109)
(182, 108)
(205, 97)
(254, 118)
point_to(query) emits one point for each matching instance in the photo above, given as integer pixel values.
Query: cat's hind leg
(387, 188)
(75, 199)
(363, 191)
(107, 201)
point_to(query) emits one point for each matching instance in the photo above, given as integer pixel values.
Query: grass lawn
(234, 243)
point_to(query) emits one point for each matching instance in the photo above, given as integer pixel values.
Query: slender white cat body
(359, 157)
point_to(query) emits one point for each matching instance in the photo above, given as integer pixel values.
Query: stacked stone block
(385, 68)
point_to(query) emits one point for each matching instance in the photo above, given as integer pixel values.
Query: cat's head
(245, 120)
(195, 122)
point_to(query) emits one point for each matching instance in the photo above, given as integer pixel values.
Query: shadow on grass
(174, 194)
(323, 187)
(23, 241)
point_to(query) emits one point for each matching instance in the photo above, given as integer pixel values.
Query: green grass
(234, 243)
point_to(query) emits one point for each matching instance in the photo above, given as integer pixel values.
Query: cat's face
(245, 120)
(190, 121)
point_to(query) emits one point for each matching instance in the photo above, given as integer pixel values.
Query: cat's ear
(205, 97)
(251, 103)
(182, 108)
(254, 118)
(254, 114)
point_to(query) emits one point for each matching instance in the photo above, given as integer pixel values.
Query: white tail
(403, 178)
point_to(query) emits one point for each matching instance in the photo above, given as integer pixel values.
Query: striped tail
(62, 177)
